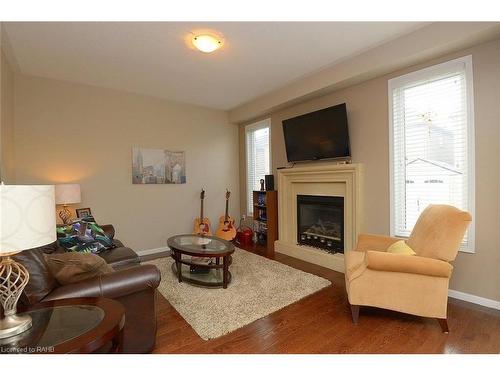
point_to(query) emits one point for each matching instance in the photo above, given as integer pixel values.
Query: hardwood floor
(321, 323)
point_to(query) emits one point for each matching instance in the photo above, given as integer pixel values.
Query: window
(258, 157)
(432, 143)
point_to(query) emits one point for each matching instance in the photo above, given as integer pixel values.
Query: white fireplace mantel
(324, 179)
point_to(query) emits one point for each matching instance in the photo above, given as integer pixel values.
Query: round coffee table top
(74, 325)
(208, 246)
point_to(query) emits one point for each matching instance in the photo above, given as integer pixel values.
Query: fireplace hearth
(320, 222)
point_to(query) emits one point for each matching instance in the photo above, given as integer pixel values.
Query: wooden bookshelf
(265, 214)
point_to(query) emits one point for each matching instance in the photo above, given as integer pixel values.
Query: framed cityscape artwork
(156, 166)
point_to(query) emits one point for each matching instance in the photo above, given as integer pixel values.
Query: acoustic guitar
(202, 224)
(226, 229)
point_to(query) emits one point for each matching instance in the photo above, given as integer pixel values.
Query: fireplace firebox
(320, 222)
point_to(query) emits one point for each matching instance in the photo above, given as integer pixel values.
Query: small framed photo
(83, 212)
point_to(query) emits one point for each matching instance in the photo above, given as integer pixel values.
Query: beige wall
(7, 120)
(367, 104)
(428, 42)
(74, 133)
(1, 97)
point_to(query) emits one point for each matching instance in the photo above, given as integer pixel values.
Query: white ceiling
(154, 58)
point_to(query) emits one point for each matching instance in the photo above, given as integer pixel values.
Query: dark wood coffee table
(74, 325)
(201, 260)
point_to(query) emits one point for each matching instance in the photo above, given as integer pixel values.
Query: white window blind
(258, 157)
(432, 143)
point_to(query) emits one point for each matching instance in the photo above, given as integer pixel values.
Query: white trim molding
(491, 303)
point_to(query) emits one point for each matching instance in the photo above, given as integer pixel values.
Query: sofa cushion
(120, 257)
(70, 268)
(41, 281)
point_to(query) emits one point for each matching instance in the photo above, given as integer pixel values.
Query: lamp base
(13, 278)
(65, 215)
(13, 325)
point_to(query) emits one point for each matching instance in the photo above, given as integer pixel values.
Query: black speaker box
(269, 182)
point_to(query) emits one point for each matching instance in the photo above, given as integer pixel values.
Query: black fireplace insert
(320, 222)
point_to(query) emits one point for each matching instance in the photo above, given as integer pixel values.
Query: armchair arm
(374, 242)
(389, 262)
(111, 285)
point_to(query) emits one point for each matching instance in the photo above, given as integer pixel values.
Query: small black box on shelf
(197, 270)
(269, 182)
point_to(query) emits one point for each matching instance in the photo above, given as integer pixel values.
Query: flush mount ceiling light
(206, 43)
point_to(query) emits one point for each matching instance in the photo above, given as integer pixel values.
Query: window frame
(422, 75)
(265, 123)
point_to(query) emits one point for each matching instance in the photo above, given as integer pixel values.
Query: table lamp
(27, 221)
(67, 194)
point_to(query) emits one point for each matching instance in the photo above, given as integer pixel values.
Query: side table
(74, 325)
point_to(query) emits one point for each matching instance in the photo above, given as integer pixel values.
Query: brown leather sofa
(132, 284)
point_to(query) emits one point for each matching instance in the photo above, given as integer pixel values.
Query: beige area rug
(259, 287)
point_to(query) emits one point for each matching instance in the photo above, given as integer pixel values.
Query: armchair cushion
(439, 231)
(374, 242)
(381, 261)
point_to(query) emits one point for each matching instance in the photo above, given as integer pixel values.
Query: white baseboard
(152, 251)
(491, 303)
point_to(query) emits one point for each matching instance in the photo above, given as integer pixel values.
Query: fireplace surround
(320, 179)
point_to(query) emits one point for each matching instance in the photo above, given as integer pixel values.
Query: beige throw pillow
(73, 267)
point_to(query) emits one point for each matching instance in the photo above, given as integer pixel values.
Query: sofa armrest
(381, 261)
(374, 242)
(109, 230)
(111, 285)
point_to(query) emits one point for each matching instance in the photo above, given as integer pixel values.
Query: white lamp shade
(28, 217)
(68, 194)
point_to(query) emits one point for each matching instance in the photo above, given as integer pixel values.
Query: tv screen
(317, 135)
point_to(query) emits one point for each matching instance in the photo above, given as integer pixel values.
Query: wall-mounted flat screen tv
(318, 135)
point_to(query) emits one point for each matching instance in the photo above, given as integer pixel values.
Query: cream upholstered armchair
(413, 284)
